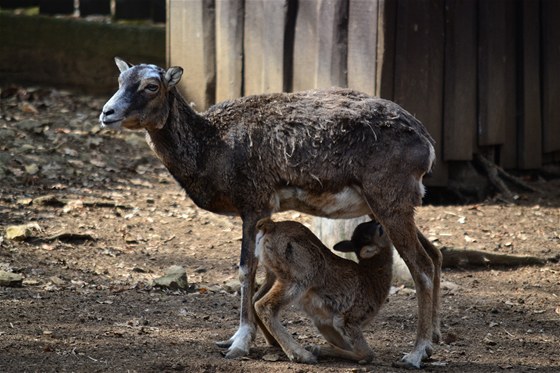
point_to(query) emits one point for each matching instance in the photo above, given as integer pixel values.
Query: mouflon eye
(152, 87)
(380, 231)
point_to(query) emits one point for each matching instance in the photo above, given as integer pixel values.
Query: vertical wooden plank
(419, 69)
(56, 6)
(459, 118)
(272, 49)
(332, 31)
(252, 47)
(94, 7)
(265, 28)
(133, 9)
(192, 46)
(320, 44)
(229, 49)
(550, 77)
(362, 45)
(492, 72)
(305, 47)
(509, 150)
(386, 47)
(530, 135)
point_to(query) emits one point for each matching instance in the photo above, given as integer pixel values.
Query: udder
(347, 203)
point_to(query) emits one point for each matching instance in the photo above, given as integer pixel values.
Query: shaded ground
(87, 303)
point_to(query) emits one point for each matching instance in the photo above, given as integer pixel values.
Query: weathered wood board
(229, 49)
(191, 44)
(419, 70)
(362, 45)
(492, 72)
(550, 13)
(530, 124)
(459, 119)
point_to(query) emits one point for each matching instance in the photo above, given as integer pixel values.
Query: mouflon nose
(108, 112)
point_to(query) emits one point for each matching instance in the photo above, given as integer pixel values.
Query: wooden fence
(479, 74)
(154, 10)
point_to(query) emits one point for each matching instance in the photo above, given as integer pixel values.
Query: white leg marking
(242, 338)
(427, 281)
(423, 351)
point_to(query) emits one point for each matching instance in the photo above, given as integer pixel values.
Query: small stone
(32, 169)
(175, 278)
(232, 286)
(489, 341)
(57, 281)
(21, 232)
(10, 279)
(49, 200)
(271, 357)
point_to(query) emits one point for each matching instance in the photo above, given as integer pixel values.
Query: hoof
(304, 357)
(236, 353)
(314, 349)
(224, 344)
(436, 336)
(407, 365)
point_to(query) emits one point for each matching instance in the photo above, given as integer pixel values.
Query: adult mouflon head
(141, 100)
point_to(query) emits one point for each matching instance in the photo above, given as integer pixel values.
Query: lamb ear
(344, 246)
(122, 64)
(173, 75)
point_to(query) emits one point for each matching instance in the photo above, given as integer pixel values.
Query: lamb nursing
(339, 295)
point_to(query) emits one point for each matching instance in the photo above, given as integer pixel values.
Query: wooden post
(191, 44)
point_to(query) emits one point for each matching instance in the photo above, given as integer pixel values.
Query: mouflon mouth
(113, 123)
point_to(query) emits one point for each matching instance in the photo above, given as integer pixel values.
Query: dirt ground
(116, 220)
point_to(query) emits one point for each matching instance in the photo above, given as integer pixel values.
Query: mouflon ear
(368, 251)
(173, 75)
(265, 225)
(344, 246)
(122, 64)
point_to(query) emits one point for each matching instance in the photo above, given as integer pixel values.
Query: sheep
(339, 295)
(335, 153)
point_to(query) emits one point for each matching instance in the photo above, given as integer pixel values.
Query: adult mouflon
(336, 153)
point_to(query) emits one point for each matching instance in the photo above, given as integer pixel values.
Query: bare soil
(87, 303)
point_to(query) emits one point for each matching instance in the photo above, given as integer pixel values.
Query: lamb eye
(152, 87)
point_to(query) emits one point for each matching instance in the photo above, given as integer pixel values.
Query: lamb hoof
(436, 336)
(304, 357)
(236, 353)
(314, 349)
